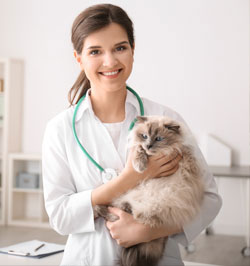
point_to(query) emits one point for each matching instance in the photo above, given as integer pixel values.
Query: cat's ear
(141, 119)
(172, 127)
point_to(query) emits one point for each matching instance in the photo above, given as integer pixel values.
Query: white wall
(192, 55)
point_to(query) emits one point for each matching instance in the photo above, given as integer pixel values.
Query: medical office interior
(190, 55)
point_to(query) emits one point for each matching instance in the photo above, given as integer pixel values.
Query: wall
(190, 55)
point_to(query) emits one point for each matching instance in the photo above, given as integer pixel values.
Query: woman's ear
(133, 49)
(77, 57)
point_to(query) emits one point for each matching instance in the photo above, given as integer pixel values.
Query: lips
(111, 74)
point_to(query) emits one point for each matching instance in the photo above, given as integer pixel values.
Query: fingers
(116, 211)
(169, 167)
(110, 226)
(165, 159)
(174, 161)
(169, 172)
(169, 164)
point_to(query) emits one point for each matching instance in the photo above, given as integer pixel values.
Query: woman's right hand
(157, 166)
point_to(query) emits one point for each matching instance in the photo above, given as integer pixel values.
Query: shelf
(11, 105)
(25, 157)
(27, 190)
(26, 205)
(30, 222)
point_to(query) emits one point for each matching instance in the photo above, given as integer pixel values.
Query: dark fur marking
(127, 207)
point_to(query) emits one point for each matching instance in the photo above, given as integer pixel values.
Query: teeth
(110, 73)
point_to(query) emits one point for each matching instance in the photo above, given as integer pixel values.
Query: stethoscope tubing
(74, 128)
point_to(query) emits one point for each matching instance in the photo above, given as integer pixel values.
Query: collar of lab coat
(86, 104)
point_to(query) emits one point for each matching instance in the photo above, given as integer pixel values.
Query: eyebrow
(117, 44)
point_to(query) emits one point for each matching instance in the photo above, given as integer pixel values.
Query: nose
(109, 60)
(149, 146)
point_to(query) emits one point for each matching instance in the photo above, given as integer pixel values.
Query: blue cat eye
(144, 136)
(159, 139)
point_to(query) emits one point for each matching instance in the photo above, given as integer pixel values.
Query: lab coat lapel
(99, 144)
(110, 158)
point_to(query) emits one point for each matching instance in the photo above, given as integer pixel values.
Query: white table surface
(54, 260)
(7, 260)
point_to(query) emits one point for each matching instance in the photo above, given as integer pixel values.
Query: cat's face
(156, 133)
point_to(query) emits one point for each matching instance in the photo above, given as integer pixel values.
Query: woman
(103, 41)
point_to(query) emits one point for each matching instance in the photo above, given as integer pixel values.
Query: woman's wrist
(133, 176)
(105, 193)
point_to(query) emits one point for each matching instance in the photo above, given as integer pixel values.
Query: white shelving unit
(11, 99)
(26, 205)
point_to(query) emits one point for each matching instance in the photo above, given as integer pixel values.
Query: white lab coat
(69, 177)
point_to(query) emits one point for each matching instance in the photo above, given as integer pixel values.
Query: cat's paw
(141, 160)
(139, 166)
(102, 211)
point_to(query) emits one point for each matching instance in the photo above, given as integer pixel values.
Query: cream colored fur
(173, 200)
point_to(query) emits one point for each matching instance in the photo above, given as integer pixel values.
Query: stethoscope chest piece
(108, 174)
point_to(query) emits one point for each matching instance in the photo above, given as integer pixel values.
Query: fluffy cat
(170, 201)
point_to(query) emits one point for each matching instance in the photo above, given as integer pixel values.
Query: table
(54, 260)
(10, 260)
(238, 172)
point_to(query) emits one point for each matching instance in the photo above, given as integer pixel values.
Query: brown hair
(90, 20)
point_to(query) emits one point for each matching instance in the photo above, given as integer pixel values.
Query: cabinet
(26, 202)
(11, 99)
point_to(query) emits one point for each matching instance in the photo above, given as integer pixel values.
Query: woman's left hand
(126, 230)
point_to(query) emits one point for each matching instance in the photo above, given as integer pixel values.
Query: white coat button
(109, 176)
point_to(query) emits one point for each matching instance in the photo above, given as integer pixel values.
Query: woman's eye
(144, 136)
(159, 139)
(94, 52)
(120, 48)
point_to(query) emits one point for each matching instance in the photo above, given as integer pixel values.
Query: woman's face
(107, 58)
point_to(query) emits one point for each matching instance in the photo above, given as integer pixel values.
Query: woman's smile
(111, 74)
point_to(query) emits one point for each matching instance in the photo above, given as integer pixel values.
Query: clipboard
(33, 249)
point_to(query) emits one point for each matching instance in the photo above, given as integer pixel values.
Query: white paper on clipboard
(28, 249)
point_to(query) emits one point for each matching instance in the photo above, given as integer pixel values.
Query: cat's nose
(149, 146)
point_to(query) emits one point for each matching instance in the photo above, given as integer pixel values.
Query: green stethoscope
(108, 173)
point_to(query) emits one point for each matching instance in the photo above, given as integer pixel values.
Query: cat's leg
(102, 211)
(141, 159)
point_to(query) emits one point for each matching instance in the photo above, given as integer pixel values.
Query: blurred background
(190, 55)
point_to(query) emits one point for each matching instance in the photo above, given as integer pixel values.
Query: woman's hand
(126, 230)
(157, 166)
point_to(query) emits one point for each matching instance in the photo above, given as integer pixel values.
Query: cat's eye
(144, 136)
(158, 138)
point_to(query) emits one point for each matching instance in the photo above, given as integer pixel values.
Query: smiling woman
(110, 38)
(106, 59)
(103, 41)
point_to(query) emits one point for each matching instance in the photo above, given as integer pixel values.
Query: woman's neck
(109, 107)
